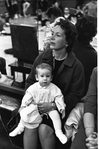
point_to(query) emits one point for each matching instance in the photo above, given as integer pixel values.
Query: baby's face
(44, 77)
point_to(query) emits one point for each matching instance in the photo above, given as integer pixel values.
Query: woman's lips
(52, 43)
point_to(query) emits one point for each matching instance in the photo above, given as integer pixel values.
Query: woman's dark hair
(87, 28)
(55, 11)
(70, 32)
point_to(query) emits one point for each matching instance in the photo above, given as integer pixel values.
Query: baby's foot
(16, 131)
(61, 136)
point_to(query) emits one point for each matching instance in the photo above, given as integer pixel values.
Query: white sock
(61, 136)
(18, 130)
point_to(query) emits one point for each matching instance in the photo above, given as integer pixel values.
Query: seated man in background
(87, 28)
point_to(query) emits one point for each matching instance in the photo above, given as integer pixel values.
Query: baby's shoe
(18, 130)
(61, 136)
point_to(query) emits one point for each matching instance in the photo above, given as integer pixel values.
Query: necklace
(60, 59)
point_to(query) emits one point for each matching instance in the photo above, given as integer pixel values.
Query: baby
(39, 92)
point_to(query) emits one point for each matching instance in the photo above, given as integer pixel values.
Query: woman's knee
(47, 137)
(30, 139)
(45, 130)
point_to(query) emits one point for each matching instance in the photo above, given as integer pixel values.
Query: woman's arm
(75, 91)
(89, 125)
(46, 107)
(90, 105)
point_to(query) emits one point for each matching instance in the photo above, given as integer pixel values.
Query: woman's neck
(60, 55)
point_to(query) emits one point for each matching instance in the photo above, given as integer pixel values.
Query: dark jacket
(70, 78)
(88, 57)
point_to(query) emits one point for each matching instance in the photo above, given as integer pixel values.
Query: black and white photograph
(49, 74)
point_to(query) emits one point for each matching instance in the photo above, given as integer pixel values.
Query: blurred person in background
(26, 6)
(14, 4)
(80, 3)
(67, 13)
(58, 4)
(20, 7)
(8, 5)
(91, 10)
(87, 28)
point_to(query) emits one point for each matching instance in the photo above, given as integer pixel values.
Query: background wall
(71, 3)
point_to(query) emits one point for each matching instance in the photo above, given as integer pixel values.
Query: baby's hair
(43, 66)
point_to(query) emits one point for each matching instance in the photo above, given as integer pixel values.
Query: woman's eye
(58, 35)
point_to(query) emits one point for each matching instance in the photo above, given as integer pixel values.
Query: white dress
(38, 94)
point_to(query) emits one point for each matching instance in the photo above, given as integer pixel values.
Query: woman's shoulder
(73, 60)
(76, 64)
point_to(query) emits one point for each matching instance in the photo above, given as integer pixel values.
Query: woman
(68, 75)
(87, 138)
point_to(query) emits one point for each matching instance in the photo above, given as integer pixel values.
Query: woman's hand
(92, 141)
(45, 107)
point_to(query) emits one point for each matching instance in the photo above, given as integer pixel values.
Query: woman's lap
(31, 136)
(50, 133)
(43, 132)
(47, 121)
(46, 133)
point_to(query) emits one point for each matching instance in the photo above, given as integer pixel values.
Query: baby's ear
(36, 77)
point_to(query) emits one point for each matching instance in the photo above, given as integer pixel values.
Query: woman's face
(58, 39)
